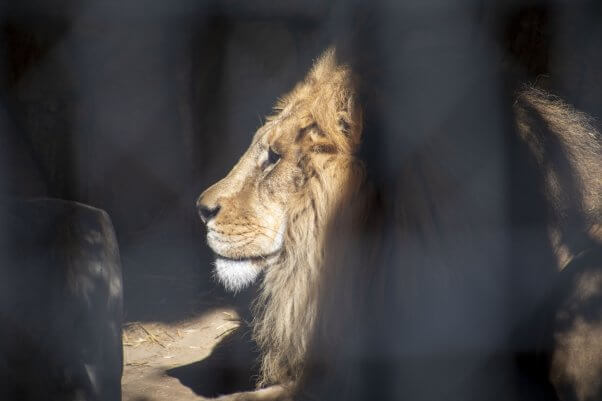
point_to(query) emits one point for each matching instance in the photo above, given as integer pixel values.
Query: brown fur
(316, 129)
(568, 151)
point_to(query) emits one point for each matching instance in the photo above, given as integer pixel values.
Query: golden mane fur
(317, 128)
(286, 308)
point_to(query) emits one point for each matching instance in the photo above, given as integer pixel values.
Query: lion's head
(296, 167)
(270, 213)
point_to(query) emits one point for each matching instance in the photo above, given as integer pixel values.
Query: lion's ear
(335, 89)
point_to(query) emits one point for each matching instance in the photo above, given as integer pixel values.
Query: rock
(60, 303)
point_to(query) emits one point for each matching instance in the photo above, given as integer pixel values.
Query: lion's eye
(273, 157)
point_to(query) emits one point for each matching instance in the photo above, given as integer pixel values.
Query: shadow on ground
(231, 367)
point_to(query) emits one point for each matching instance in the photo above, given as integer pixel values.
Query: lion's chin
(236, 275)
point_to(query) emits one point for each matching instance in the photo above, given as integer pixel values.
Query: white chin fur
(235, 274)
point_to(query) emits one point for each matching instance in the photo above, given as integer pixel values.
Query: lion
(276, 212)
(269, 214)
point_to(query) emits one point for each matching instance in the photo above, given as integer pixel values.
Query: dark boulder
(60, 302)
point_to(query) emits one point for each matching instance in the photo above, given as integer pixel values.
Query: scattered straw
(230, 330)
(152, 336)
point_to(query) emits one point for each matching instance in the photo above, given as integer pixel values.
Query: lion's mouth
(257, 249)
(252, 258)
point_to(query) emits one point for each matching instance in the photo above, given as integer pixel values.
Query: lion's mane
(286, 308)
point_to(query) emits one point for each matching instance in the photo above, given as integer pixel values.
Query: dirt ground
(156, 354)
(185, 338)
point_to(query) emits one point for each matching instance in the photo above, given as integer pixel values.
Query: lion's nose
(207, 212)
